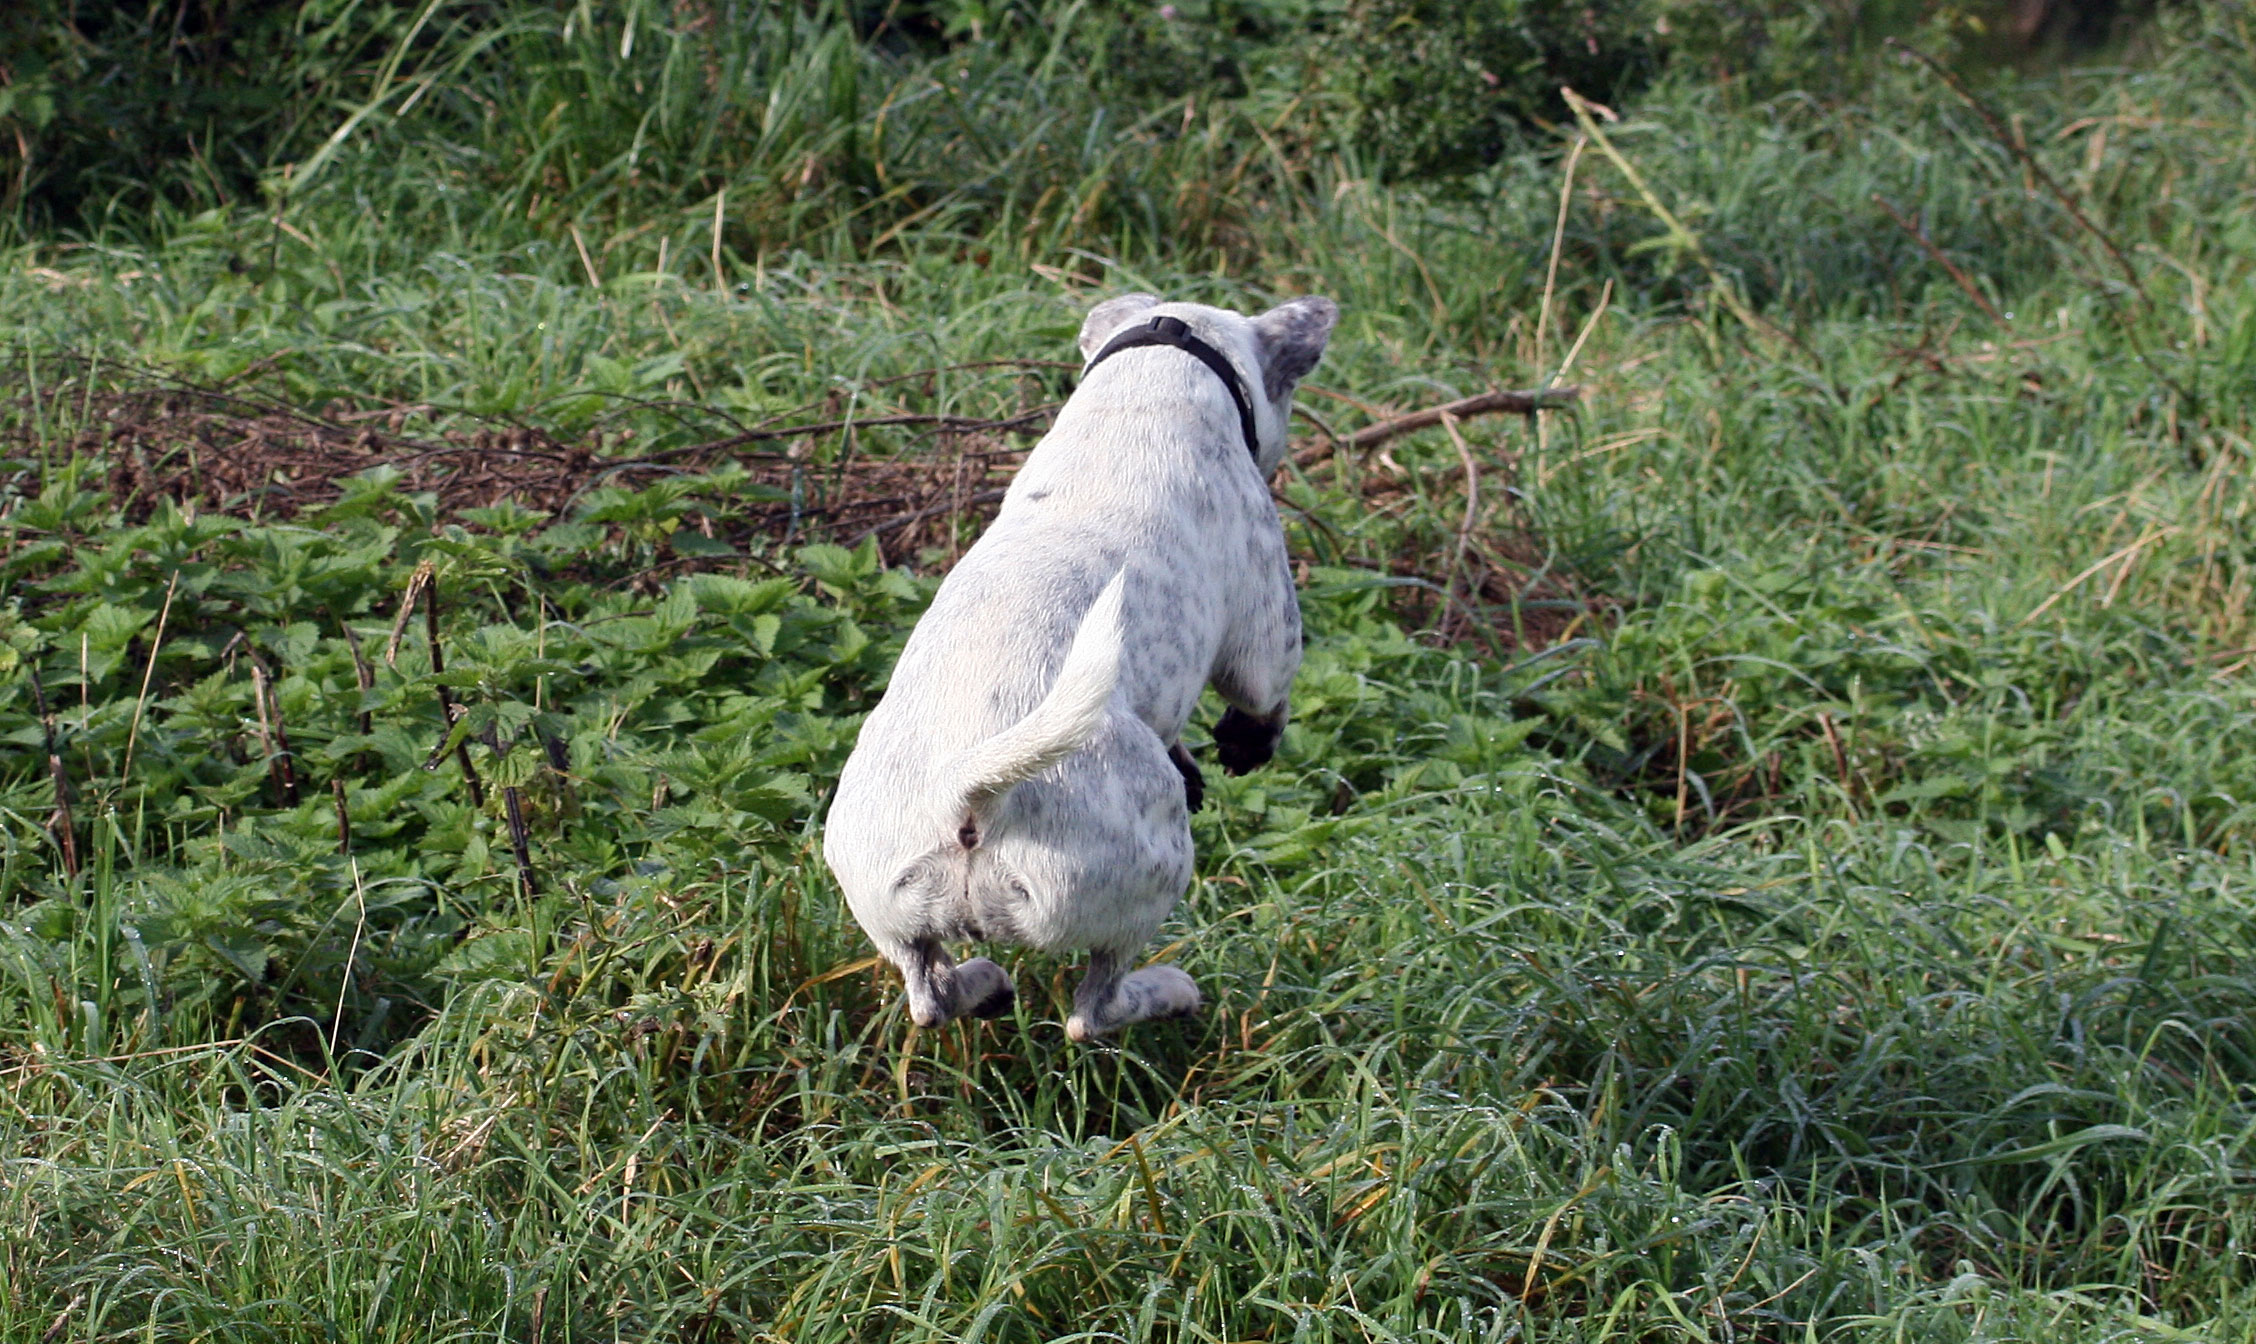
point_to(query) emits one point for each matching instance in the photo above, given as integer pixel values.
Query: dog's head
(1271, 353)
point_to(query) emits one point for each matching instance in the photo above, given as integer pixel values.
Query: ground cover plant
(1764, 851)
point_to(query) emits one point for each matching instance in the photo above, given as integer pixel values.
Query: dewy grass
(1819, 909)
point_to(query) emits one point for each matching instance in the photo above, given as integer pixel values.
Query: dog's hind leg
(1108, 1000)
(985, 988)
(941, 990)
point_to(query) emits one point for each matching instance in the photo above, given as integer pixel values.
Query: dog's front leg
(1243, 741)
(941, 991)
(1248, 732)
(1255, 672)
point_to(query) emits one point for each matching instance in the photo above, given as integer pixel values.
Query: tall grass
(1816, 908)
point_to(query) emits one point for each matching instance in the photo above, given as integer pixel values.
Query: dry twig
(2012, 143)
(1973, 291)
(1485, 403)
(273, 740)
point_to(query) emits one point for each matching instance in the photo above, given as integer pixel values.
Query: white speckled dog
(1024, 780)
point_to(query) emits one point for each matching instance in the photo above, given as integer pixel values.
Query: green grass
(1783, 873)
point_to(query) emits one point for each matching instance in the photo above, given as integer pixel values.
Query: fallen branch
(1034, 421)
(2011, 143)
(1964, 281)
(1485, 403)
(919, 515)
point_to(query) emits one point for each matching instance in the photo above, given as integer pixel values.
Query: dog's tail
(1068, 717)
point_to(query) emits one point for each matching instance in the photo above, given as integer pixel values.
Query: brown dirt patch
(217, 448)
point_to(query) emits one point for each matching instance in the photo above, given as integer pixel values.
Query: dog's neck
(1172, 331)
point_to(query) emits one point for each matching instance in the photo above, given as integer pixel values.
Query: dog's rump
(960, 887)
(1068, 717)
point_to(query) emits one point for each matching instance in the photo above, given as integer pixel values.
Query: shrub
(1437, 89)
(113, 107)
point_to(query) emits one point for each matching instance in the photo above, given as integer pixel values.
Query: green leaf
(243, 950)
(693, 544)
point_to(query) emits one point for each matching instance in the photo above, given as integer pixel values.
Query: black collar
(1171, 331)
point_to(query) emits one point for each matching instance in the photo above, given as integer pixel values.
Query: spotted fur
(1023, 780)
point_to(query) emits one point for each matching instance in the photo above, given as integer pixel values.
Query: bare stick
(720, 283)
(595, 282)
(416, 583)
(60, 823)
(344, 820)
(272, 740)
(54, 1329)
(449, 711)
(2013, 145)
(1972, 291)
(1486, 403)
(133, 733)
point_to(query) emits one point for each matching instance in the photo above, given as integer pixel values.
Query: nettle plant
(306, 764)
(329, 771)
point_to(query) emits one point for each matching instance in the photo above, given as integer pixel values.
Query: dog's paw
(1153, 992)
(984, 988)
(1243, 741)
(1162, 991)
(1194, 783)
(997, 1004)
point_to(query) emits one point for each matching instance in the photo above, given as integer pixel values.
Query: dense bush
(1432, 88)
(109, 110)
(105, 108)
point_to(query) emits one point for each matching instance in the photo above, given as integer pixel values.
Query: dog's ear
(1109, 317)
(1292, 337)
